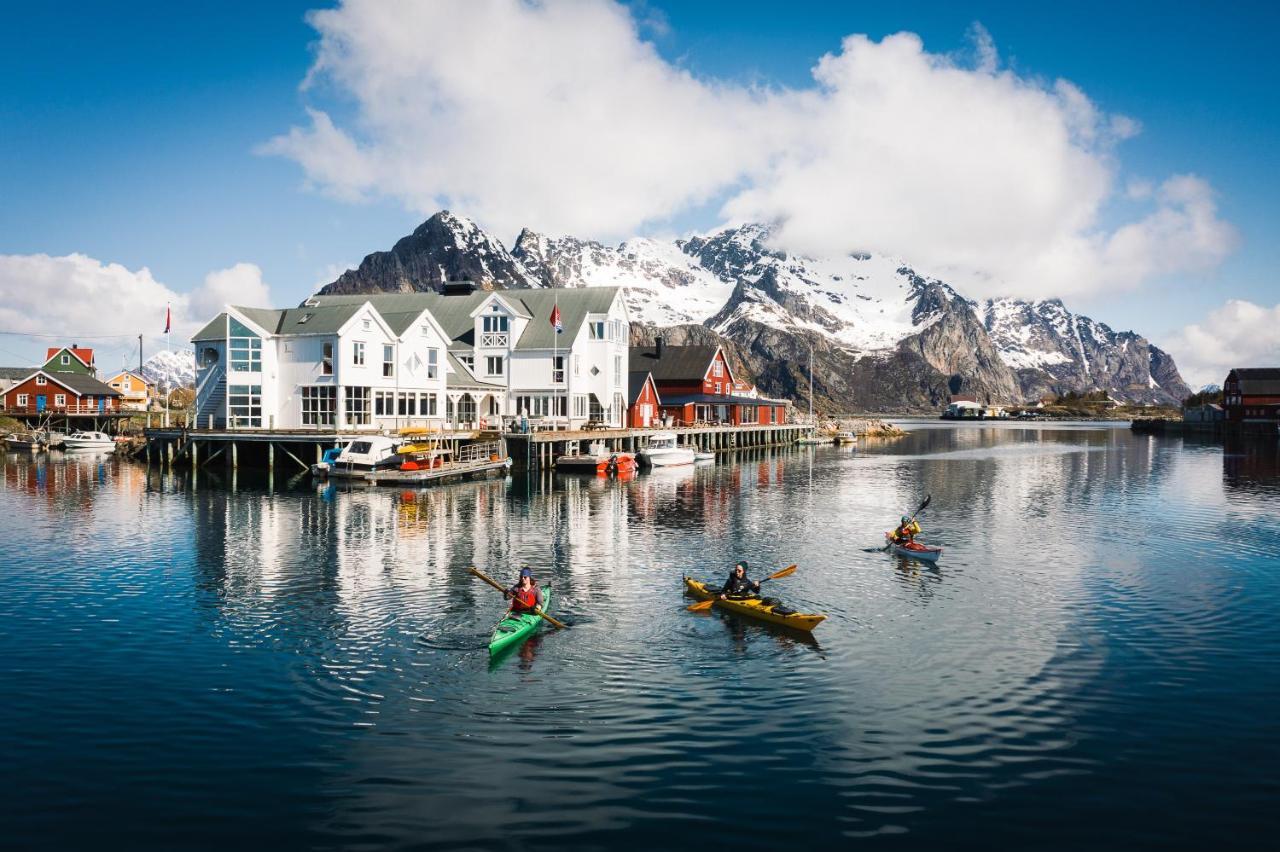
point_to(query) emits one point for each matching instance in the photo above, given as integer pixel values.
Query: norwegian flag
(555, 320)
(168, 319)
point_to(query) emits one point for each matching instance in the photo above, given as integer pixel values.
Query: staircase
(212, 401)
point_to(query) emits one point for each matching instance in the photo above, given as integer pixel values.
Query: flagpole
(555, 353)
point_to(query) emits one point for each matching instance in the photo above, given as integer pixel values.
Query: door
(41, 402)
(102, 404)
(646, 415)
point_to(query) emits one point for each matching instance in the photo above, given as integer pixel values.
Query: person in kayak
(525, 596)
(738, 585)
(906, 531)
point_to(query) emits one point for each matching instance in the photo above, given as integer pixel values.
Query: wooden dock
(539, 450)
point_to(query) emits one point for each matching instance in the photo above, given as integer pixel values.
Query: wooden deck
(417, 478)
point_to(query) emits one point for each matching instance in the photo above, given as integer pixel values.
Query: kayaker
(906, 531)
(738, 586)
(525, 595)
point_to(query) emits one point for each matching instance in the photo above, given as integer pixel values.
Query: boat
(89, 441)
(28, 441)
(811, 441)
(765, 609)
(376, 452)
(914, 549)
(846, 437)
(663, 451)
(330, 457)
(700, 456)
(514, 629)
(56, 440)
(598, 459)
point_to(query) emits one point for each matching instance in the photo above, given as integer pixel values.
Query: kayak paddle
(492, 582)
(778, 575)
(923, 506)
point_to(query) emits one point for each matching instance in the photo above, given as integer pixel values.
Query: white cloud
(1238, 334)
(79, 299)
(560, 116)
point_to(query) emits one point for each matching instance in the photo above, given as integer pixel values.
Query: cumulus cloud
(107, 303)
(559, 115)
(1238, 334)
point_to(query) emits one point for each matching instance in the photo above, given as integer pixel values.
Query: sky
(1120, 156)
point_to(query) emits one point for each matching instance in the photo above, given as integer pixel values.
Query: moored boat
(913, 549)
(598, 460)
(700, 456)
(663, 451)
(89, 441)
(845, 437)
(513, 629)
(322, 467)
(376, 452)
(765, 609)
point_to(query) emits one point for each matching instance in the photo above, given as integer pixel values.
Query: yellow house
(136, 390)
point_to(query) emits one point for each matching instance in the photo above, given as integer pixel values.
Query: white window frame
(717, 369)
(428, 405)
(59, 400)
(357, 405)
(357, 353)
(433, 363)
(490, 361)
(384, 403)
(326, 358)
(557, 369)
(41, 381)
(23, 400)
(319, 405)
(617, 371)
(388, 360)
(66, 359)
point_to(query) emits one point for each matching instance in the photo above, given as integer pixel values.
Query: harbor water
(237, 663)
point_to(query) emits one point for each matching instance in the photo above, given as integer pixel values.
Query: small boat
(598, 460)
(24, 441)
(765, 609)
(846, 437)
(89, 441)
(330, 457)
(914, 549)
(513, 629)
(663, 451)
(700, 456)
(376, 452)
(56, 440)
(811, 441)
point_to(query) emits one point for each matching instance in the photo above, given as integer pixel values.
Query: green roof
(215, 330)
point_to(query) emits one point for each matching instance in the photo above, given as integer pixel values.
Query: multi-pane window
(617, 371)
(22, 400)
(326, 360)
(388, 361)
(245, 348)
(357, 353)
(433, 363)
(577, 365)
(41, 380)
(493, 365)
(468, 361)
(579, 405)
(717, 387)
(356, 406)
(384, 404)
(495, 323)
(407, 405)
(494, 330)
(596, 327)
(319, 404)
(427, 405)
(244, 405)
(66, 359)
(541, 405)
(60, 400)
(557, 370)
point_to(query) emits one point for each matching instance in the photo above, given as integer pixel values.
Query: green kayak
(514, 629)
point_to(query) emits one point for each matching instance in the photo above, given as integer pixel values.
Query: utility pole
(139, 355)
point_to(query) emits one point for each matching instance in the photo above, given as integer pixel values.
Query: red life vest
(524, 600)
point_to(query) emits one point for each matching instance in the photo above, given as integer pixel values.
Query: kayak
(914, 549)
(775, 613)
(514, 629)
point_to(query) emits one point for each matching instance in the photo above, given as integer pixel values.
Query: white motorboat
(704, 456)
(663, 451)
(846, 438)
(376, 452)
(89, 441)
(28, 441)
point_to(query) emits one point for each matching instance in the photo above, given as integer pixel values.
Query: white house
(387, 361)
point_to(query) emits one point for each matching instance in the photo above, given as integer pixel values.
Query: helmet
(526, 572)
(742, 565)
(906, 519)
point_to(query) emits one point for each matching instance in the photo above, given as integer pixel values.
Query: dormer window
(494, 328)
(66, 359)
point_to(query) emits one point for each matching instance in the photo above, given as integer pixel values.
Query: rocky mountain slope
(171, 369)
(884, 338)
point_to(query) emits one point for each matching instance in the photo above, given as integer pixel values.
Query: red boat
(598, 460)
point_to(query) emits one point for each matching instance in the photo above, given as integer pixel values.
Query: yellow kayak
(756, 608)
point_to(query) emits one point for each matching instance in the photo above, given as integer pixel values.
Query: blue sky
(129, 132)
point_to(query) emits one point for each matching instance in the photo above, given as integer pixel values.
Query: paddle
(700, 606)
(923, 506)
(492, 582)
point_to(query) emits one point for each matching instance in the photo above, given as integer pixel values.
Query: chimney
(657, 342)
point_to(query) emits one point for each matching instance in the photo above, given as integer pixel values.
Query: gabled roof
(635, 384)
(216, 329)
(84, 356)
(16, 372)
(677, 364)
(132, 373)
(78, 384)
(463, 378)
(1260, 381)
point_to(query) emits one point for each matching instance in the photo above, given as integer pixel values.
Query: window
(428, 405)
(596, 328)
(617, 371)
(66, 359)
(468, 361)
(367, 324)
(384, 403)
(41, 380)
(357, 353)
(128, 384)
(433, 363)
(557, 370)
(717, 369)
(319, 404)
(60, 400)
(356, 405)
(579, 405)
(748, 414)
(541, 405)
(577, 365)
(717, 387)
(208, 356)
(22, 400)
(494, 330)
(245, 348)
(326, 359)
(493, 365)
(244, 405)
(495, 323)
(388, 361)
(407, 405)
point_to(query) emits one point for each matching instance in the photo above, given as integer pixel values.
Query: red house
(60, 393)
(696, 386)
(1252, 395)
(643, 400)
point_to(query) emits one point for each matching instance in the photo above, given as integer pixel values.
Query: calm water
(1096, 658)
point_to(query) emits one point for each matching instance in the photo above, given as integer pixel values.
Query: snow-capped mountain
(884, 337)
(171, 369)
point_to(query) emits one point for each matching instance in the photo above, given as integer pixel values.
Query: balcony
(493, 340)
(80, 408)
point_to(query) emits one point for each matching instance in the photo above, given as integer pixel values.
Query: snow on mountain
(171, 369)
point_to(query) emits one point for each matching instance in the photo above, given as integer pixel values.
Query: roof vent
(311, 303)
(457, 288)
(304, 318)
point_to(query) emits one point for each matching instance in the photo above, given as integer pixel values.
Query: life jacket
(524, 600)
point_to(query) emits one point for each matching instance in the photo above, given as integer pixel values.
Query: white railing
(493, 339)
(73, 408)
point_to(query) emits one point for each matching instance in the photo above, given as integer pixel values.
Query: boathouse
(42, 392)
(697, 387)
(645, 404)
(1252, 395)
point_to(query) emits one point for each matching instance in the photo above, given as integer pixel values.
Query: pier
(539, 450)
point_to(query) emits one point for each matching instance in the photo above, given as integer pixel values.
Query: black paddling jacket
(739, 588)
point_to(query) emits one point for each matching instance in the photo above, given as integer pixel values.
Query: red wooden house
(696, 386)
(643, 401)
(60, 393)
(1252, 395)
